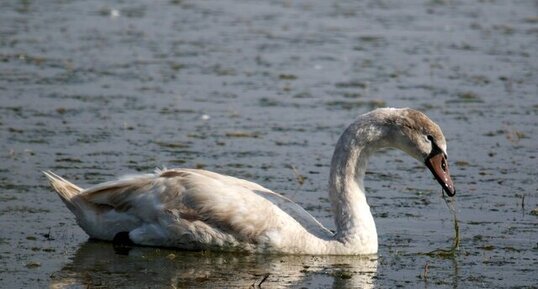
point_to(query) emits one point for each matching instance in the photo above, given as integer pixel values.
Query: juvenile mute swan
(201, 210)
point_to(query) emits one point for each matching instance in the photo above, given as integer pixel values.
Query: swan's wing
(291, 208)
(206, 205)
(288, 206)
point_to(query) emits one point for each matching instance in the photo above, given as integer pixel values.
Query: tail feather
(65, 189)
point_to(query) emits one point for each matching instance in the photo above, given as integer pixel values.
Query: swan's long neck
(354, 221)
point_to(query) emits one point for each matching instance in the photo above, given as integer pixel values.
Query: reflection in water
(454, 276)
(455, 273)
(96, 264)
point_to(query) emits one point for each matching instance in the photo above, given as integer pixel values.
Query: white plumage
(201, 210)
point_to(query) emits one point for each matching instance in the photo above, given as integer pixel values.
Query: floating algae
(451, 252)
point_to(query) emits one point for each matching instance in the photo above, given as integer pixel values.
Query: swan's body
(201, 210)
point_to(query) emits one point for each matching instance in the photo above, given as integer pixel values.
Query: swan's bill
(438, 165)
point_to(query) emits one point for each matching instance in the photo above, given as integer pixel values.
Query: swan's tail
(65, 189)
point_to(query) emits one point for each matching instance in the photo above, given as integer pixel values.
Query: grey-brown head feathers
(412, 130)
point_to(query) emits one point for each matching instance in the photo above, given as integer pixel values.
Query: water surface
(261, 90)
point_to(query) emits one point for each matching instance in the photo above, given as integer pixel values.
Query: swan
(193, 209)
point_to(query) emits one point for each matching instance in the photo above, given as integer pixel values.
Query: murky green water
(261, 90)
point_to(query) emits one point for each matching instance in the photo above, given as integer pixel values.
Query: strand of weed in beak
(450, 202)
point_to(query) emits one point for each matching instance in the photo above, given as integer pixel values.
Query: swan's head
(413, 132)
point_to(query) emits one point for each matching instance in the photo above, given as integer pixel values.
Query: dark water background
(261, 90)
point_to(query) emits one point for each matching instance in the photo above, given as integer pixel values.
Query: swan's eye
(430, 137)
